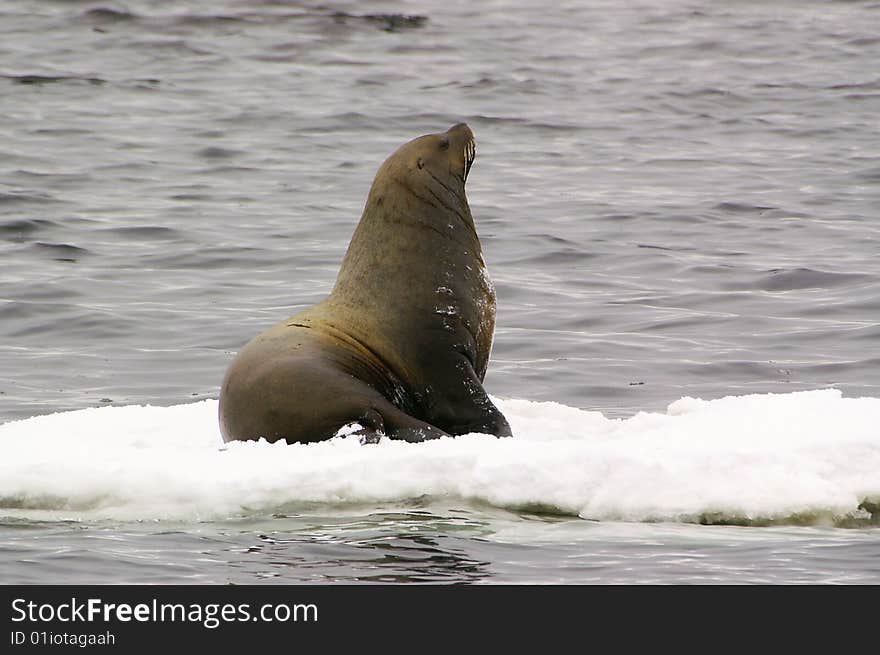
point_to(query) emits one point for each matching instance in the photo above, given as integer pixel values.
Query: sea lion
(400, 346)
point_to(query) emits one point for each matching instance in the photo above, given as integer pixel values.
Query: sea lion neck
(402, 237)
(433, 205)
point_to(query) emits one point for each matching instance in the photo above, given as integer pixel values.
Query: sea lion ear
(420, 163)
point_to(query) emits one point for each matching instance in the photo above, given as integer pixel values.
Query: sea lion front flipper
(460, 405)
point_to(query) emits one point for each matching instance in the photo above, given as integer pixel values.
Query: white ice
(767, 456)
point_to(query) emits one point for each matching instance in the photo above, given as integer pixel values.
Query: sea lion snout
(462, 129)
(463, 138)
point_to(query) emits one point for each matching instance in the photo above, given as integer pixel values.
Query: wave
(800, 457)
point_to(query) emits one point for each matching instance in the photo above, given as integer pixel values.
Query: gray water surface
(674, 198)
(434, 544)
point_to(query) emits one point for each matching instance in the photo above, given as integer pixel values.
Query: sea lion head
(433, 164)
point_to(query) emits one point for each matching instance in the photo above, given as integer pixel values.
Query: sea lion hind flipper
(388, 421)
(403, 427)
(369, 428)
(417, 434)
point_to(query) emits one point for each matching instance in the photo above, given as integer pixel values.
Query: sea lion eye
(444, 144)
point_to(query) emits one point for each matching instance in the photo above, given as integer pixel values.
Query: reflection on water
(391, 547)
(434, 544)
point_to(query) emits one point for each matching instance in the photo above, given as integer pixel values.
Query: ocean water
(677, 203)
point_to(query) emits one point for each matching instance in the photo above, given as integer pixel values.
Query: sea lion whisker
(470, 153)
